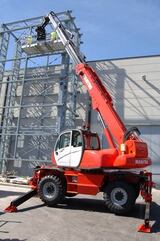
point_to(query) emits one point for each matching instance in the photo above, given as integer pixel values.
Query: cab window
(64, 141)
(94, 143)
(76, 139)
(91, 142)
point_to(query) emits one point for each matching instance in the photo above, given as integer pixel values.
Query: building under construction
(40, 95)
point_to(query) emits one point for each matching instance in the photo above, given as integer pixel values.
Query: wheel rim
(49, 190)
(119, 196)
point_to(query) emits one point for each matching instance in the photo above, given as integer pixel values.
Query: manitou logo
(87, 82)
(141, 162)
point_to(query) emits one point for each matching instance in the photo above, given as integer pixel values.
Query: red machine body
(112, 158)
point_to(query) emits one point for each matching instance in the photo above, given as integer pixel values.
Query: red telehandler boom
(80, 166)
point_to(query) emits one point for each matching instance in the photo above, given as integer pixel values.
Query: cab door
(62, 151)
(76, 148)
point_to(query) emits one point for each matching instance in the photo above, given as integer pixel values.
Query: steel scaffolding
(38, 93)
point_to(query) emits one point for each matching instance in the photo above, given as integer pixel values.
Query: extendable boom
(101, 99)
(70, 48)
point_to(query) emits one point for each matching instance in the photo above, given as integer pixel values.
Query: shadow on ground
(94, 205)
(99, 206)
(31, 208)
(15, 239)
(155, 216)
(10, 193)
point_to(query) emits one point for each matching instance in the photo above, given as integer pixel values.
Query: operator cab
(71, 144)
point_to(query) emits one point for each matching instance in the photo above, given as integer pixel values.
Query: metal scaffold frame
(38, 94)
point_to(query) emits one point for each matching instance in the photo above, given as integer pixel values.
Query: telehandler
(80, 166)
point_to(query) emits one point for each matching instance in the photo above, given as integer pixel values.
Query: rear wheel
(119, 197)
(51, 190)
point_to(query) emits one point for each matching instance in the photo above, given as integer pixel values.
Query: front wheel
(119, 197)
(51, 190)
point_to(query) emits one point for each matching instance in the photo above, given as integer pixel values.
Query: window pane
(76, 139)
(65, 140)
(94, 143)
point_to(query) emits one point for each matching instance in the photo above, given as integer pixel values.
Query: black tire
(51, 190)
(119, 197)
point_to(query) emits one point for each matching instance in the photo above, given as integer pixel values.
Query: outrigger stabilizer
(146, 193)
(18, 201)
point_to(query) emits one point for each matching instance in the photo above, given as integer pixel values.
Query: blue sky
(111, 28)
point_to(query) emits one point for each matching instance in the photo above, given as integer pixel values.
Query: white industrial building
(134, 84)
